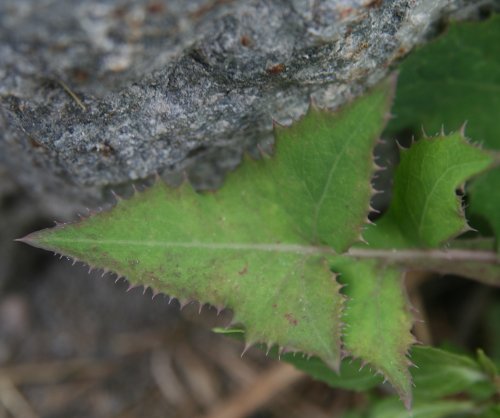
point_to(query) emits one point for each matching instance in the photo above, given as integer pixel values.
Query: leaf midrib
(400, 255)
(264, 247)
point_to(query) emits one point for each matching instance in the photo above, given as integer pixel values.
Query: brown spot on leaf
(291, 319)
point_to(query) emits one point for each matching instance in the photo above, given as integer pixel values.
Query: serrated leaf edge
(406, 398)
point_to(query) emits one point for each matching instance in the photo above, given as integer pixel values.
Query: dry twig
(14, 401)
(258, 393)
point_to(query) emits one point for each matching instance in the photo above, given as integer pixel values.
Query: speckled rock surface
(98, 93)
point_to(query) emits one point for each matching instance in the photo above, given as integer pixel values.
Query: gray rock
(99, 93)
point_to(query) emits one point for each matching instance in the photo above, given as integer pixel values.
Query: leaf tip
(34, 240)
(26, 240)
(407, 401)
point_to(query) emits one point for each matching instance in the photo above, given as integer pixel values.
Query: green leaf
(442, 373)
(390, 408)
(425, 210)
(322, 170)
(353, 414)
(487, 364)
(490, 368)
(350, 376)
(453, 80)
(493, 329)
(492, 412)
(485, 202)
(251, 246)
(377, 320)
(437, 373)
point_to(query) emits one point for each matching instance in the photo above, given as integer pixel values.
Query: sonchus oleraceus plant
(287, 243)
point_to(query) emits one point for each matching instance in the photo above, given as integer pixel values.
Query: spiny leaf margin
(425, 211)
(449, 81)
(275, 278)
(377, 319)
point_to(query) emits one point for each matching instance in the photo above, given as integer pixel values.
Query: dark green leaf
(391, 408)
(453, 80)
(441, 373)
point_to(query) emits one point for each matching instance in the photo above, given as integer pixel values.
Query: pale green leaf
(377, 320)
(251, 245)
(380, 316)
(322, 169)
(425, 210)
